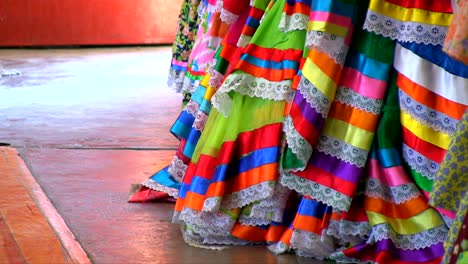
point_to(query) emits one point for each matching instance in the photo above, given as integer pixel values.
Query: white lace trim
(394, 194)
(349, 232)
(189, 85)
(334, 46)
(243, 41)
(340, 257)
(207, 224)
(177, 169)
(252, 86)
(298, 145)
(314, 97)
(209, 242)
(249, 195)
(212, 204)
(214, 43)
(192, 107)
(216, 79)
(295, 22)
(228, 17)
(418, 162)
(426, 115)
(278, 248)
(417, 241)
(342, 150)
(176, 80)
(153, 185)
(200, 121)
(219, 5)
(448, 221)
(268, 210)
(356, 100)
(317, 191)
(308, 244)
(404, 31)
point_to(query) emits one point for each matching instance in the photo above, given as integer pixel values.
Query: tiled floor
(89, 123)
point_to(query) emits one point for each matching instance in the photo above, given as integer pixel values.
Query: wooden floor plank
(26, 232)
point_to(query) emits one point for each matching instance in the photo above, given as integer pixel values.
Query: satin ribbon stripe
(385, 251)
(249, 233)
(410, 14)
(387, 157)
(391, 176)
(264, 137)
(435, 55)
(434, 78)
(405, 210)
(327, 179)
(326, 64)
(424, 183)
(336, 7)
(192, 200)
(427, 149)
(275, 232)
(183, 125)
(429, 98)
(257, 175)
(368, 66)
(306, 120)
(348, 133)
(297, 7)
(309, 224)
(321, 81)
(273, 54)
(362, 84)
(410, 226)
(431, 5)
(267, 73)
(182, 64)
(337, 167)
(354, 116)
(191, 142)
(424, 132)
(343, 21)
(328, 27)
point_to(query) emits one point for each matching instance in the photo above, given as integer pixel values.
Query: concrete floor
(89, 123)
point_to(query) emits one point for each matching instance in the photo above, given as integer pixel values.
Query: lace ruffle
(177, 169)
(334, 46)
(430, 117)
(176, 79)
(340, 257)
(395, 194)
(249, 195)
(228, 17)
(200, 121)
(216, 79)
(307, 244)
(349, 232)
(252, 86)
(295, 22)
(298, 145)
(243, 41)
(314, 97)
(189, 85)
(342, 150)
(278, 248)
(351, 98)
(268, 210)
(418, 162)
(417, 241)
(153, 185)
(404, 31)
(192, 108)
(317, 191)
(207, 224)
